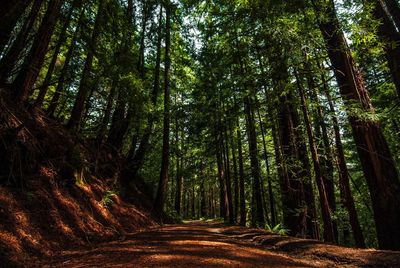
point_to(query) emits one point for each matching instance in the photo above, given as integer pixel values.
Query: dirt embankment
(59, 191)
(45, 219)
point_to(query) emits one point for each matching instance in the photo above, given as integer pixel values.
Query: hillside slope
(58, 191)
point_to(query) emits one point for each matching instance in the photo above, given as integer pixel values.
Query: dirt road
(202, 244)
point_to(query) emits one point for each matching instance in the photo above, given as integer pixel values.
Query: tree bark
(10, 59)
(392, 7)
(178, 190)
(61, 40)
(257, 210)
(136, 157)
(376, 159)
(141, 61)
(107, 112)
(344, 181)
(83, 91)
(329, 234)
(324, 147)
(10, 13)
(162, 186)
(235, 174)
(269, 178)
(389, 34)
(228, 175)
(29, 72)
(242, 198)
(64, 71)
(223, 208)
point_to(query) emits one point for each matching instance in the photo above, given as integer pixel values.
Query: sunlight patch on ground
(197, 242)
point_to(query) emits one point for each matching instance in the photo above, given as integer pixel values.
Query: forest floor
(213, 244)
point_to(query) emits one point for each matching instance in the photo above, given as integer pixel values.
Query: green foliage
(277, 229)
(107, 199)
(223, 54)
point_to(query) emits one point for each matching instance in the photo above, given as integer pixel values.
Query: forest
(279, 116)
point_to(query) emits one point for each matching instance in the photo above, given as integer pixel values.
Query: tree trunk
(242, 198)
(10, 13)
(344, 181)
(392, 7)
(107, 112)
(324, 147)
(257, 210)
(178, 192)
(141, 60)
(29, 72)
(288, 119)
(292, 190)
(228, 174)
(135, 158)
(84, 86)
(376, 159)
(119, 121)
(329, 234)
(162, 186)
(388, 33)
(61, 40)
(64, 71)
(222, 189)
(202, 210)
(235, 175)
(193, 203)
(10, 59)
(269, 178)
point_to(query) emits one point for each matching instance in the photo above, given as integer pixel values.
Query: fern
(277, 229)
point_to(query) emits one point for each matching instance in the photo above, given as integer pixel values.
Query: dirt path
(195, 244)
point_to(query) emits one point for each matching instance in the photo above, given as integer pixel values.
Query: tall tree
(163, 183)
(62, 77)
(257, 206)
(378, 165)
(10, 13)
(242, 198)
(136, 156)
(329, 234)
(26, 78)
(76, 4)
(84, 85)
(344, 180)
(10, 59)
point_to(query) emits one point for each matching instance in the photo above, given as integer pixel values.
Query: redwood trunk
(84, 86)
(10, 13)
(235, 175)
(61, 40)
(135, 158)
(64, 71)
(242, 199)
(10, 59)
(376, 160)
(344, 181)
(257, 211)
(228, 176)
(388, 32)
(269, 178)
(222, 189)
(162, 186)
(29, 72)
(329, 234)
(393, 8)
